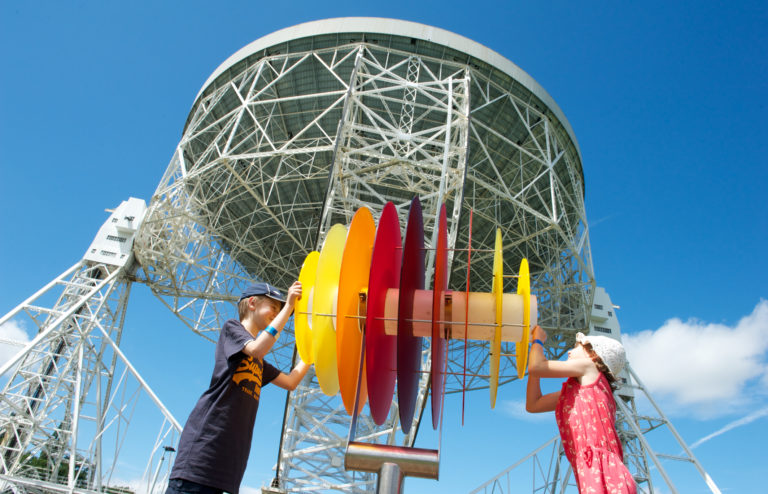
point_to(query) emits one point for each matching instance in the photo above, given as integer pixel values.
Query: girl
(584, 409)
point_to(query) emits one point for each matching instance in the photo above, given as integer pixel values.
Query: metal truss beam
(69, 395)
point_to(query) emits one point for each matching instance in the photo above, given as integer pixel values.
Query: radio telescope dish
(299, 129)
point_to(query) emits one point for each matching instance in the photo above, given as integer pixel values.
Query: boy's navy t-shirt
(216, 440)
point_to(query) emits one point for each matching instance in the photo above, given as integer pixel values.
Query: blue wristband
(539, 342)
(271, 330)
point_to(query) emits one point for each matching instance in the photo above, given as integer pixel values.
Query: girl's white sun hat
(610, 351)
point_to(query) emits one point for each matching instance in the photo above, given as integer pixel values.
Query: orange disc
(355, 268)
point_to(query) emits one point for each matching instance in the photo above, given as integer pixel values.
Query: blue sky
(667, 101)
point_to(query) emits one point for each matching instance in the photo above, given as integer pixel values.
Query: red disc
(439, 343)
(380, 360)
(408, 345)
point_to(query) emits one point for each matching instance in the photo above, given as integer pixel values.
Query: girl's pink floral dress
(585, 416)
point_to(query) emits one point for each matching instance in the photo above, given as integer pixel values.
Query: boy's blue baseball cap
(263, 289)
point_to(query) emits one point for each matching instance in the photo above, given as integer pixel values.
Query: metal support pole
(392, 463)
(390, 479)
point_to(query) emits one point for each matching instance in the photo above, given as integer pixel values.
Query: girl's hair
(600, 364)
(242, 306)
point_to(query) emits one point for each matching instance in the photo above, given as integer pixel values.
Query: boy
(216, 441)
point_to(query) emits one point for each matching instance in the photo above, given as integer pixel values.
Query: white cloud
(702, 365)
(736, 423)
(12, 331)
(516, 410)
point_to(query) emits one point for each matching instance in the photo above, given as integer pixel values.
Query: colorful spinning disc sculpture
(302, 129)
(368, 300)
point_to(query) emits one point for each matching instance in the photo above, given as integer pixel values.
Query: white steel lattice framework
(69, 395)
(301, 128)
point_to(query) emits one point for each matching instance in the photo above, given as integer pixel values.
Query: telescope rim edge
(396, 27)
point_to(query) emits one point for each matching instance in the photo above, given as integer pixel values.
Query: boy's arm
(294, 292)
(290, 381)
(262, 344)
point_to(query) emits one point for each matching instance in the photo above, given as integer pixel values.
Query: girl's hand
(294, 293)
(538, 334)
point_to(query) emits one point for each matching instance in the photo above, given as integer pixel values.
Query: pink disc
(466, 319)
(408, 345)
(439, 343)
(380, 360)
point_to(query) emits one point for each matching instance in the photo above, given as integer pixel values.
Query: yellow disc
(323, 309)
(524, 290)
(302, 320)
(498, 292)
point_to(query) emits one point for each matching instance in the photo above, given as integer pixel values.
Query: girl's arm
(539, 366)
(534, 401)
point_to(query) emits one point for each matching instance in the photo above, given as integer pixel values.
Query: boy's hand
(294, 293)
(539, 334)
